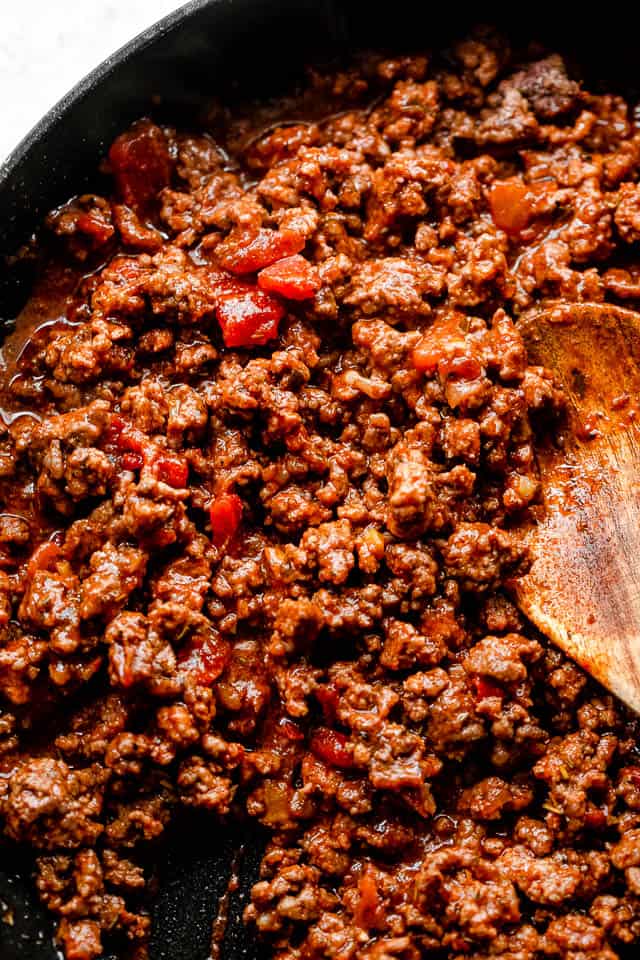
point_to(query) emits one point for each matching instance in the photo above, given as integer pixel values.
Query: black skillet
(232, 49)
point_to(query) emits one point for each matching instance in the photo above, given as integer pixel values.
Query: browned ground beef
(259, 513)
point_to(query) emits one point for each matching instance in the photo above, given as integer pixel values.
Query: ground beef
(269, 439)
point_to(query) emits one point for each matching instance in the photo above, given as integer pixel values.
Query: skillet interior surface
(230, 49)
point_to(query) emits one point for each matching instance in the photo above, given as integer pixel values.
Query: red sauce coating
(269, 431)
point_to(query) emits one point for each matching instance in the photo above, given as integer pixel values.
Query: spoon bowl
(583, 588)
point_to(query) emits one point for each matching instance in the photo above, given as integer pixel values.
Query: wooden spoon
(583, 589)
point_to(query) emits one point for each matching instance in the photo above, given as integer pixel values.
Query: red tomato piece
(115, 428)
(110, 442)
(460, 368)
(486, 688)
(332, 747)
(328, 699)
(426, 356)
(172, 470)
(131, 439)
(141, 164)
(445, 350)
(225, 513)
(248, 317)
(292, 277)
(510, 205)
(43, 557)
(122, 435)
(92, 225)
(132, 461)
(248, 252)
(595, 819)
(369, 903)
(204, 660)
(290, 729)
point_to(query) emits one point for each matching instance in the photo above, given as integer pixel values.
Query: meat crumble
(268, 441)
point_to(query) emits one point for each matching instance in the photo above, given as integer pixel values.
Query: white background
(46, 46)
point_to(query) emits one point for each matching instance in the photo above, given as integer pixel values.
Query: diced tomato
(132, 461)
(429, 357)
(248, 252)
(92, 225)
(443, 341)
(248, 317)
(172, 470)
(292, 277)
(43, 557)
(122, 435)
(141, 164)
(486, 688)
(332, 747)
(113, 431)
(460, 368)
(426, 356)
(444, 349)
(510, 205)
(204, 660)
(368, 906)
(290, 729)
(595, 819)
(328, 699)
(131, 439)
(225, 513)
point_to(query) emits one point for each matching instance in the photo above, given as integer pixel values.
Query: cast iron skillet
(230, 49)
